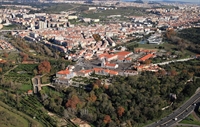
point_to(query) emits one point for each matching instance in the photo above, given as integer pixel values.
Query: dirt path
(11, 69)
(60, 121)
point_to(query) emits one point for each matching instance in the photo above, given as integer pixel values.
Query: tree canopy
(44, 67)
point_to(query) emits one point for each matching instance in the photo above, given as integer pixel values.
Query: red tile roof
(120, 58)
(97, 69)
(106, 55)
(64, 72)
(123, 53)
(85, 71)
(111, 72)
(128, 58)
(30, 91)
(110, 64)
(146, 57)
(2, 61)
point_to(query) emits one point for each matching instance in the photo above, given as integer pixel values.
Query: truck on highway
(175, 119)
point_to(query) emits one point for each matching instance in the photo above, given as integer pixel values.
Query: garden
(22, 75)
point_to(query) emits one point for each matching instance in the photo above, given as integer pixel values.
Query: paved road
(181, 113)
(180, 60)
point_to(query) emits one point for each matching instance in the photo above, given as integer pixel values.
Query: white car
(175, 119)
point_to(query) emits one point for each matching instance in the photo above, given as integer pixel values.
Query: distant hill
(174, 1)
(135, 1)
(153, 2)
(138, 1)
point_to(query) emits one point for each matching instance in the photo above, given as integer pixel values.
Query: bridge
(37, 86)
(49, 84)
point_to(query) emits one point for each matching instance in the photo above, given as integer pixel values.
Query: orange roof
(30, 91)
(128, 58)
(110, 64)
(106, 55)
(85, 71)
(103, 55)
(146, 57)
(3, 61)
(123, 53)
(111, 72)
(120, 58)
(97, 69)
(140, 66)
(111, 55)
(64, 72)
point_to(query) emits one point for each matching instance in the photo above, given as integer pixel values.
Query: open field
(148, 46)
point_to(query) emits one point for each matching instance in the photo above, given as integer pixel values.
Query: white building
(65, 74)
(92, 8)
(42, 25)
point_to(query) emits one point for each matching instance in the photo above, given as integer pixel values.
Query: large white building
(42, 25)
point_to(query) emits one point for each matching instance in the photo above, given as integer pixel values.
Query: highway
(180, 113)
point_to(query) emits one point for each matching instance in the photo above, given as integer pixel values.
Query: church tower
(103, 62)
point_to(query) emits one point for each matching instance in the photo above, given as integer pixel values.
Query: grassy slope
(59, 7)
(10, 119)
(190, 34)
(23, 119)
(120, 11)
(190, 120)
(23, 78)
